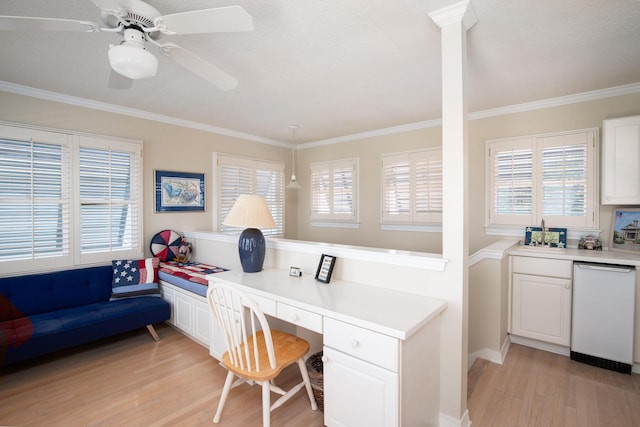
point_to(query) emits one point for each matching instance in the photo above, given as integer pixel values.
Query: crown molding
(500, 111)
(494, 112)
(462, 12)
(117, 109)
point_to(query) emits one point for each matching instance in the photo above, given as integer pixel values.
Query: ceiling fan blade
(200, 67)
(110, 6)
(216, 20)
(118, 81)
(46, 24)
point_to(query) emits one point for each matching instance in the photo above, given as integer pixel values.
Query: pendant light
(293, 183)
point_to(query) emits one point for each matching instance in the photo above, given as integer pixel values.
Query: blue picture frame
(179, 191)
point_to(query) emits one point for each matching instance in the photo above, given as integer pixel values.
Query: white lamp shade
(133, 61)
(250, 210)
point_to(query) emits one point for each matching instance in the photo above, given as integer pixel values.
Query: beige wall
(568, 117)
(184, 149)
(166, 147)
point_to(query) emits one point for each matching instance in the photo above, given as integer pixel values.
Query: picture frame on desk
(325, 268)
(625, 230)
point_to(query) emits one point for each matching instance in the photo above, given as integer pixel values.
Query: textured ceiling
(337, 67)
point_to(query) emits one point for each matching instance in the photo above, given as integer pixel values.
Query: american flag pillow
(133, 278)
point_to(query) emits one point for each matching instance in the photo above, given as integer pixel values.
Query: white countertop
(605, 257)
(394, 313)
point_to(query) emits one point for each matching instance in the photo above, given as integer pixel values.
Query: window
(56, 212)
(545, 176)
(334, 188)
(110, 217)
(236, 176)
(412, 187)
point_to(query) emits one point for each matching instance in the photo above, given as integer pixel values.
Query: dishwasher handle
(616, 269)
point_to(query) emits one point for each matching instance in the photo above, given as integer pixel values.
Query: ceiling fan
(139, 23)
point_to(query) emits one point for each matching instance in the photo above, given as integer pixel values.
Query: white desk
(381, 347)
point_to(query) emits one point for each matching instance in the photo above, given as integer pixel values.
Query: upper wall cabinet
(620, 161)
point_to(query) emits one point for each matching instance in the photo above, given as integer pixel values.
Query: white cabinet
(357, 393)
(381, 352)
(372, 379)
(189, 313)
(620, 160)
(541, 299)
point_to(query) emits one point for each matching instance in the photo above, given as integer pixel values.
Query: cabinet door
(202, 322)
(357, 393)
(542, 308)
(183, 313)
(169, 296)
(620, 159)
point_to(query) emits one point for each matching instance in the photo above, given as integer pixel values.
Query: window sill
(335, 224)
(421, 228)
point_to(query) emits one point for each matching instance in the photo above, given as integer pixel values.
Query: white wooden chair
(254, 351)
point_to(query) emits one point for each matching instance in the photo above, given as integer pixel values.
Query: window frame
(513, 225)
(413, 220)
(69, 170)
(333, 218)
(252, 166)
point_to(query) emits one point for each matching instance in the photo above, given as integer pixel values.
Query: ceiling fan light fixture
(133, 61)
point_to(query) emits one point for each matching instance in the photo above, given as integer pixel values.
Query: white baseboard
(490, 355)
(449, 421)
(553, 348)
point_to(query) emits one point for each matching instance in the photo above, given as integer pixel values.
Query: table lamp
(250, 211)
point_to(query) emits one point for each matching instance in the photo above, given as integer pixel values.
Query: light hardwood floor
(130, 380)
(538, 388)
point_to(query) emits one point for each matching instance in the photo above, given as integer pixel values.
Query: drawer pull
(325, 359)
(355, 344)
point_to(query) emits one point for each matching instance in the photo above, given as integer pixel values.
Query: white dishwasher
(603, 315)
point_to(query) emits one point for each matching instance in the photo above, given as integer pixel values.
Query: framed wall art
(553, 237)
(179, 191)
(325, 268)
(625, 230)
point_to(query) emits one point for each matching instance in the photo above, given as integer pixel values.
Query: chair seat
(288, 349)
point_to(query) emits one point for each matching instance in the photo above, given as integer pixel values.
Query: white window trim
(573, 232)
(333, 219)
(74, 140)
(249, 162)
(412, 221)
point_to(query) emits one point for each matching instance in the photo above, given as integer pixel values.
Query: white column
(454, 21)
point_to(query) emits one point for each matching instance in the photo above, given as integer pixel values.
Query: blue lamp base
(251, 248)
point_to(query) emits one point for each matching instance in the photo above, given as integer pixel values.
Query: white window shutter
(67, 199)
(567, 192)
(238, 176)
(109, 200)
(35, 197)
(412, 187)
(512, 178)
(334, 187)
(550, 177)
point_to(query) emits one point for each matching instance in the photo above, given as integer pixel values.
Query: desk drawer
(379, 349)
(297, 316)
(268, 306)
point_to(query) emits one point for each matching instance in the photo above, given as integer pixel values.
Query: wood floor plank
(538, 388)
(130, 380)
